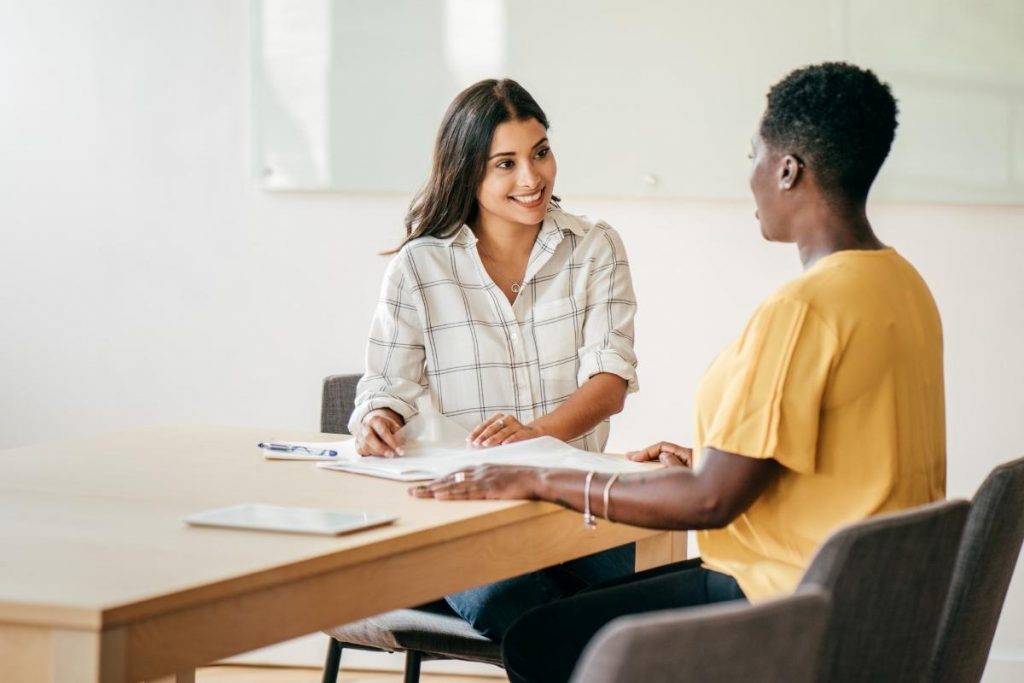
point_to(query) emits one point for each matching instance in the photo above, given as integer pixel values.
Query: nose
(528, 176)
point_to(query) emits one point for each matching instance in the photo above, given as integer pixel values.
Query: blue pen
(291, 448)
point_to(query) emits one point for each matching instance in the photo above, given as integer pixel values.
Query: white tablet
(289, 519)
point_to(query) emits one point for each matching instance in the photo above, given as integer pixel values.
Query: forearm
(599, 398)
(671, 498)
(395, 352)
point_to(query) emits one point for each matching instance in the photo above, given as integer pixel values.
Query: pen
(291, 448)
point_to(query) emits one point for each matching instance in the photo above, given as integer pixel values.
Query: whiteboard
(646, 98)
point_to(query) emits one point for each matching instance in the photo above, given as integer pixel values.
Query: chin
(537, 215)
(530, 216)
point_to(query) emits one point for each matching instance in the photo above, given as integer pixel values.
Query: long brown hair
(448, 199)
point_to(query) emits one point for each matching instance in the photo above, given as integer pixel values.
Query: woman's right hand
(378, 434)
(666, 452)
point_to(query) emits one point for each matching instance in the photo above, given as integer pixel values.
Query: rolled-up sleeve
(394, 376)
(611, 308)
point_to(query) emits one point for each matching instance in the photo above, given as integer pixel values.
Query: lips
(528, 201)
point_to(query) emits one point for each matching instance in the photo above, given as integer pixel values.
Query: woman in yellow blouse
(827, 409)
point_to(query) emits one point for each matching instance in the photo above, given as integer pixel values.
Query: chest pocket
(557, 329)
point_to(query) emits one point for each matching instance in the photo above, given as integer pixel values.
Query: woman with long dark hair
(513, 317)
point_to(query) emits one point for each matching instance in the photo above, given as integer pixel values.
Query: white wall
(143, 279)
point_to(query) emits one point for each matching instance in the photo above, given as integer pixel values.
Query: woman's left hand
(484, 481)
(500, 429)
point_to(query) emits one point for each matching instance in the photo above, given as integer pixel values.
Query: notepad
(399, 469)
(292, 520)
(429, 462)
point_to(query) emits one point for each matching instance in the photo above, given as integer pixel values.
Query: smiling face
(519, 176)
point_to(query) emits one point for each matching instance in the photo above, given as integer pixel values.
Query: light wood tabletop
(101, 581)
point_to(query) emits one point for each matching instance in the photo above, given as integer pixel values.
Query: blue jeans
(492, 608)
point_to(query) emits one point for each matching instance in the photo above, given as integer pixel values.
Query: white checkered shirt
(444, 327)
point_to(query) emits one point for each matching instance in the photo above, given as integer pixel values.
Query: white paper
(431, 429)
(436, 446)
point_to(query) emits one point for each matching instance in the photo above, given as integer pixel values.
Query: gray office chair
(337, 403)
(888, 577)
(883, 575)
(432, 631)
(779, 640)
(988, 554)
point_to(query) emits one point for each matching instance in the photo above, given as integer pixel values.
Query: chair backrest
(778, 640)
(339, 399)
(888, 577)
(988, 553)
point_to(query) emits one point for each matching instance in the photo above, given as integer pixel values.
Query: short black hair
(839, 119)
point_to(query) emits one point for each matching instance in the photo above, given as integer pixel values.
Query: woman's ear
(789, 172)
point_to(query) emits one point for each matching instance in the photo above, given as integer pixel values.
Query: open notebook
(426, 462)
(435, 446)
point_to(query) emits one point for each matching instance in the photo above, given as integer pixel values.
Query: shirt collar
(555, 221)
(462, 237)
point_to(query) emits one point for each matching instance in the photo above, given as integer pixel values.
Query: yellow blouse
(837, 377)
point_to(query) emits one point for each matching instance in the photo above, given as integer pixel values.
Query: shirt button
(513, 336)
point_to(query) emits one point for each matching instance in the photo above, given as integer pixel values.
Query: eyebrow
(509, 154)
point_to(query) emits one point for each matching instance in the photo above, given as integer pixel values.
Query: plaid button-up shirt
(443, 327)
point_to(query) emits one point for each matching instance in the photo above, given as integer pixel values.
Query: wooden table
(101, 581)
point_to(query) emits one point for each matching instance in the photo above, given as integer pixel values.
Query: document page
(435, 445)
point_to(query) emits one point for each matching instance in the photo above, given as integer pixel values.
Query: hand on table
(484, 481)
(500, 429)
(378, 434)
(666, 452)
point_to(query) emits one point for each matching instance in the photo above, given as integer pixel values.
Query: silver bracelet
(589, 520)
(607, 494)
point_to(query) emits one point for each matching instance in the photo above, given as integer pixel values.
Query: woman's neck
(831, 229)
(501, 240)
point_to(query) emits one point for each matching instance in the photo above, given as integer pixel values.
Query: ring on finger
(459, 477)
(500, 422)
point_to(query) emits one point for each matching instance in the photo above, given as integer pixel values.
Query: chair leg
(333, 662)
(412, 666)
